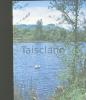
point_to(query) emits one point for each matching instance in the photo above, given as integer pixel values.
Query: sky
(36, 9)
(28, 12)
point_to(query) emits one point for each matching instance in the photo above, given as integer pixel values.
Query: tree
(39, 29)
(71, 10)
(39, 25)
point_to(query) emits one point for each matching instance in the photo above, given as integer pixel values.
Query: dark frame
(6, 51)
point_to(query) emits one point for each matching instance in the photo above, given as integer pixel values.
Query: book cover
(49, 50)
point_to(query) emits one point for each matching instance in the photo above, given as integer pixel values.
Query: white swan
(37, 66)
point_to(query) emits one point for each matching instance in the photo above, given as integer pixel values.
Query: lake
(49, 57)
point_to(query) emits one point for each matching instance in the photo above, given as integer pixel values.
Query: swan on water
(37, 66)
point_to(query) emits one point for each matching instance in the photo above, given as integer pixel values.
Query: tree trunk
(76, 36)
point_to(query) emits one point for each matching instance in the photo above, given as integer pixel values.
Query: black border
(6, 51)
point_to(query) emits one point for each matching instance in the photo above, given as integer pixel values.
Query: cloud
(47, 15)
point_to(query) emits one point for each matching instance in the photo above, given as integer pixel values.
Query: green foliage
(67, 7)
(46, 34)
(71, 93)
(76, 86)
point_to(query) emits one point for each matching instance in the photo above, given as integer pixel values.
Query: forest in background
(48, 33)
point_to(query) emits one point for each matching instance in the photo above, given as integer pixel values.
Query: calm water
(44, 79)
